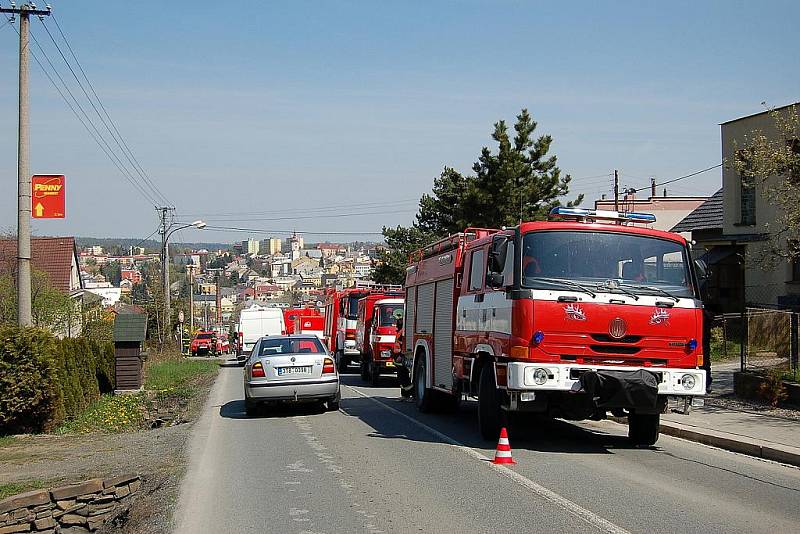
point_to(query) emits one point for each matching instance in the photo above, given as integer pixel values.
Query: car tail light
(257, 371)
(350, 335)
(327, 367)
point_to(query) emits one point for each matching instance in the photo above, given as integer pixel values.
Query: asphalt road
(379, 466)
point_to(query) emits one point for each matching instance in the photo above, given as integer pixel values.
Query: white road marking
(575, 509)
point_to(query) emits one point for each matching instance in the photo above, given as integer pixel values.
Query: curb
(731, 442)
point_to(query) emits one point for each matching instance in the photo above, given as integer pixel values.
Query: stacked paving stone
(82, 507)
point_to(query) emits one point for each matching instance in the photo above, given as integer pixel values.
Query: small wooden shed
(130, 330)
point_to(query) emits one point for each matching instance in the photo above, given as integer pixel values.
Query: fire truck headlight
(687, 381)
(386, 353)
(540, 376)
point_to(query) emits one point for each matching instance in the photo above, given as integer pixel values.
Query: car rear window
(271, 347)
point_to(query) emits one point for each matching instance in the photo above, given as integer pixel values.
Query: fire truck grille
(614, 349)
(605, 338)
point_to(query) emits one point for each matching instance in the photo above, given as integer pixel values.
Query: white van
(256, 322)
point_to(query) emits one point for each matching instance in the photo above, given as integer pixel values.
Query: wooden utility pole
(190, 267)
(616, 190)
(24, 308)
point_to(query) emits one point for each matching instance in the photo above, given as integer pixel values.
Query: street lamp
(199, 224)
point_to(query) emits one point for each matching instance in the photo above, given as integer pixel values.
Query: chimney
(665, 191)
(652, 187)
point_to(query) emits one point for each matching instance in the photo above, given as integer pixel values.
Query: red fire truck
(291, 315)
(573, 317)
(341, 312)
(376, 332)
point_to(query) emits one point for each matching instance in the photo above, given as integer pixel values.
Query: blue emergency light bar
(584, 214)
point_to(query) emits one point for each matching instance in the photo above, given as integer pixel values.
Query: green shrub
(44, 380)
(772, 389)
(30, 394)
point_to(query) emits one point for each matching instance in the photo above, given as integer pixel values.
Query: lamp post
(165, 267)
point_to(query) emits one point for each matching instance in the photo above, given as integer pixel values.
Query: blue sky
(266, 108)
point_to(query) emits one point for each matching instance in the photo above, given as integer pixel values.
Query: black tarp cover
(621, 389)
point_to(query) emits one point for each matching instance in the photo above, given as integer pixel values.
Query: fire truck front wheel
(341, 361)
(643, 429)
(490, 413)
(422, 394)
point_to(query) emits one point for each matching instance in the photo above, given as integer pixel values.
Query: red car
(204, 343)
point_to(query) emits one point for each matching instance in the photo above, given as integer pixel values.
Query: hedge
(45, 380)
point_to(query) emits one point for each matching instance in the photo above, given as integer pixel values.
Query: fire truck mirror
(497, 255)
(495, 279)
(701, 269)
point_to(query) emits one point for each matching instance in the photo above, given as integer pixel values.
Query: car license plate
(389, 364)
(304, 370)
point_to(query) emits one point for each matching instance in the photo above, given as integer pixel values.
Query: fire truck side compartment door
(443, 335)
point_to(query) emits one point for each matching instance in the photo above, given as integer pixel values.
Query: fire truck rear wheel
(422, 394)
(643, 429)
(490, 414)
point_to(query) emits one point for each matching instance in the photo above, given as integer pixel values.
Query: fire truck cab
(573, 317)
(376, 333)
(341, 313)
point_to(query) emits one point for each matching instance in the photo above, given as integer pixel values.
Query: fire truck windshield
(389, 314)
(635, 263)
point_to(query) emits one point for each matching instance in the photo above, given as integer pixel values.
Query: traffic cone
(503, 453)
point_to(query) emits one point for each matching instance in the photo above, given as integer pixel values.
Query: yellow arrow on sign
(39, 209)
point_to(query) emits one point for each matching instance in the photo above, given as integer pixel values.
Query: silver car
(290, 368)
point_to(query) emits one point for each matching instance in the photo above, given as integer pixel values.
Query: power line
(272, 231)
(116, 137)
(683, 177)
(80, 119)
(302, 217)
(364, 205)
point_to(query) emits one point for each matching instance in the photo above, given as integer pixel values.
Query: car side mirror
(497, 254)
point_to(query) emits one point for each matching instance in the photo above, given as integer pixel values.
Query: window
(389, 314)
(593, 258)
(476, 271)
(747, 190)
(794, 250)
(508, 268)
(273, 347)
(747, 199)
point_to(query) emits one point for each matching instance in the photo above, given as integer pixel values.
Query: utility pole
(616, 190)
(165, 214)
(191, 298)
(24, 309)
(218, 302)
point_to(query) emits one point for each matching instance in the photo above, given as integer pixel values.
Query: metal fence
(760, 338)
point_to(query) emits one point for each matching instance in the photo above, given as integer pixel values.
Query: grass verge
(7, 490)
(168, 387)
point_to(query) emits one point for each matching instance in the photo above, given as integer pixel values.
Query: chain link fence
(761, 339)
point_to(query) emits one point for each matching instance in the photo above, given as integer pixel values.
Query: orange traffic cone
(503, 453)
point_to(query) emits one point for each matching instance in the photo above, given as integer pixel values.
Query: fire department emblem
(660, 316)
(575, 312)
(617, 328)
